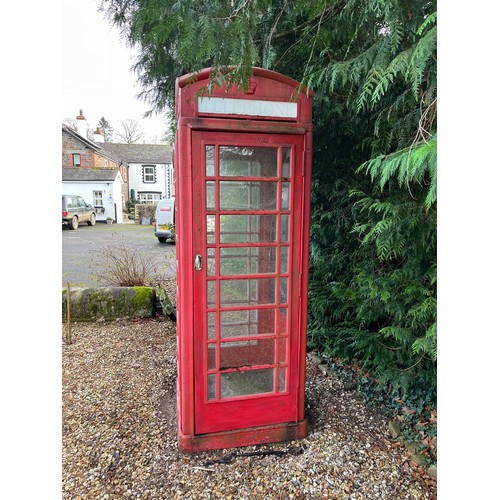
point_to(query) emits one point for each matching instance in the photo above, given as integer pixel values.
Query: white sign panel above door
(227, 106)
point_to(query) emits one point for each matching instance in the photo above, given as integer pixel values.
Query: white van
(165, 220)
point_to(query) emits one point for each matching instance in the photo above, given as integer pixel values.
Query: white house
(92, 172)
(102, 187)
(150, 169)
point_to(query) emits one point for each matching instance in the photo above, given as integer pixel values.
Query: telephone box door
(247, 234)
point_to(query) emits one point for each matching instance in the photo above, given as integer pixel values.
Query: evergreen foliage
(373, 67)
(106, 129)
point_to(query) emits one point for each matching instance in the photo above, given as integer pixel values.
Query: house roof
(139, 153)
(76, 135)
(91, 144)
(89, 174)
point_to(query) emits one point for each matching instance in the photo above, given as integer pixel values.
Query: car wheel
(73, 224)
(162, 240)
(91, 222)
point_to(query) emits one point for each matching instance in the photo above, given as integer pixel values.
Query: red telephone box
(242, 184)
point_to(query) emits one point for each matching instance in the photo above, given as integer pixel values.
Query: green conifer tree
(373, 67)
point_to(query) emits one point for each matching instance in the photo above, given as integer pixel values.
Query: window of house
(98, 199)
(77, 159)
(149, 197)
(105, 163)
(148, 173)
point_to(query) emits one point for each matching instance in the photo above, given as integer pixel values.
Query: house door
(247, 211)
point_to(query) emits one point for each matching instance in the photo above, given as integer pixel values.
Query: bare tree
(70, 122)
(132, 132)
(159, 139)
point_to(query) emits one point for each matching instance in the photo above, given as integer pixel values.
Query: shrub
(121, 265)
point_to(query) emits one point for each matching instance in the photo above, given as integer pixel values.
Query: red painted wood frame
(242, 200)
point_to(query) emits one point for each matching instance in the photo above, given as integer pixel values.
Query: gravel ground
(119, 436)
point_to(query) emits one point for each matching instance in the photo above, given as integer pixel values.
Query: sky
(96, 72)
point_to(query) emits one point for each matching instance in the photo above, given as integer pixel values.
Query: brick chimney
(98, 135)
(81, 125)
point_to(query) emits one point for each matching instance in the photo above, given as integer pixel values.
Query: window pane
(248, 161)
(282, 320)
(284, 228)
(210, 229)
(265, 321)
(210, 195)
(237, 330)
(246, 353)
(247, 195)
(247, 382)
(97, 198)
(211, 357)
(149, 173)
(247, 228)
(245, 323)
(211, 386)
(210, 293)
(211, 262)
(283, 290)
(247, 292)
(238, 323)
(282, 379)
(284, 260)
(285, 164)
(209, 160)
(247, 260)
(285, 196)
(282, 349)
(211, 325)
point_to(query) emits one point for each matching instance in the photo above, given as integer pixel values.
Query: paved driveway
(82, 247)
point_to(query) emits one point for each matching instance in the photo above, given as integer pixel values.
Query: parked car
(165, 220)
(75, 211)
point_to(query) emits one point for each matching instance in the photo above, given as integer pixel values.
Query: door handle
(198, 262)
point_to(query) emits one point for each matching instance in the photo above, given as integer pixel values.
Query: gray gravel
(119, 435)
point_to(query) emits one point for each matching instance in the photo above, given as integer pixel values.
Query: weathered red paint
(217, 406)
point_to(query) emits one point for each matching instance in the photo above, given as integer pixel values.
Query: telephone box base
(242, 437)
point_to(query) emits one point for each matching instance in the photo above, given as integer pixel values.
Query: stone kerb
(109, 303)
